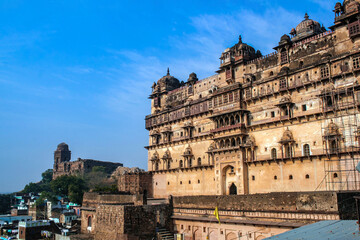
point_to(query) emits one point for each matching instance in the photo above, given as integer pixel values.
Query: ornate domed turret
(306, 28)
(239, 51)
(192, 78)
(166, 83)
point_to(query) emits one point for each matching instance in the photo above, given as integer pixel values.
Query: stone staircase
(164, 234)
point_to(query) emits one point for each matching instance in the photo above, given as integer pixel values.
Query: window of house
(335, 175)
(287, 150)
(253, 178)
(190, 162)
(236, 95)
(248, 93)
(168, 164)
(198, 181)
(307, 176)
(333, 146)
(284, 57)
(272, 114)
(356, 62)
(199, 130)
(290, 177)
(204, 229)
(215, 101)
(220, 100)
(189, 181)
(231, 97)
(283, 84)
(199, 162)
(180, 182)
(354, 28)
(304, 107)
(273, 153)
(181, 163)
(306, 150)
(225, 98)
(275, 177)
(324, 72)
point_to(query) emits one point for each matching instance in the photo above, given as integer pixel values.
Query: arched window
(233, 142)
(335, 175)
(306, 150)
(271, 73)
(290, 177)
(273, 153)
(307, 176)
(275, 177)
(190, 162)
(89, 221)
(156, 166)
(199, 162)
(237, 118)
(232, 120)
(181, 164)
(168, 164)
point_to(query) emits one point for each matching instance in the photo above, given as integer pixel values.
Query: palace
(271, 141)
(284, 122)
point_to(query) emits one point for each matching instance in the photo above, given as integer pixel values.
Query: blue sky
(80, 71)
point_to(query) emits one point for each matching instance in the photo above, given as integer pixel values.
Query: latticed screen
(248, 93)
(283, 83)
(225, 98)
(356, 62)
(231, 97)
(354, 28)
(228, 73)
(284, 57)
(324, 72)
(156, 102)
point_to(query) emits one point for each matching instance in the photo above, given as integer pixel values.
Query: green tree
(47, 176)
(5, 202)
(49, 196)
(71, 186)
(32, 188)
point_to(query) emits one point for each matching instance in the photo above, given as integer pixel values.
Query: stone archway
(233, 189)
(228, 178)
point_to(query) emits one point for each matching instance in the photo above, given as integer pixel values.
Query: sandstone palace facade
(285, 122)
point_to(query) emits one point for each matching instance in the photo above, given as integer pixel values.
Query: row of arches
(228, 120)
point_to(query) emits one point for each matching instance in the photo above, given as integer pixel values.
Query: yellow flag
(216, 213)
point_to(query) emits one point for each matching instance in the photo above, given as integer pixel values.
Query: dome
(192, 78)
(62, 147)
(306, 28)
(167, 83)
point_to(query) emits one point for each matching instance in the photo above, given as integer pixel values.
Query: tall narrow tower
(62, 153)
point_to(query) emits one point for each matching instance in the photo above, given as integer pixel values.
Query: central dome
(306, 28)
(167, 83)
